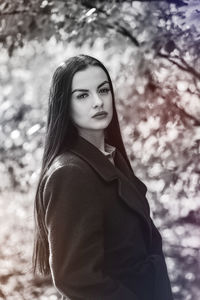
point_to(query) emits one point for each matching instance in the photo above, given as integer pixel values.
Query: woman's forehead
(91, 77)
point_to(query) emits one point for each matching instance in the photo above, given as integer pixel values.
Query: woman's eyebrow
(104, 82)
(79, 90)
(85, 90)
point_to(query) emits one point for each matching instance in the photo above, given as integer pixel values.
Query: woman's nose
(97, 101)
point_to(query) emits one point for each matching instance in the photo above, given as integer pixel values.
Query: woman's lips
(100, 115)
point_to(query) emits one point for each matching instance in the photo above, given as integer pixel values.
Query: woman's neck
(96, 138)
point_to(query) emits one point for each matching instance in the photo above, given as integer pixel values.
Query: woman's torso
(132, 246)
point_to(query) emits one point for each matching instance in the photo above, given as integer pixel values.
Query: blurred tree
(169, 28)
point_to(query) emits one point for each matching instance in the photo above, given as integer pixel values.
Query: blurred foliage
(152, 52)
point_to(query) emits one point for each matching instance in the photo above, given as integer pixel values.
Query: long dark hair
(60, 132)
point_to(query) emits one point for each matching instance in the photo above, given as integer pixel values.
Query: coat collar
(127, 186)
(94, 157)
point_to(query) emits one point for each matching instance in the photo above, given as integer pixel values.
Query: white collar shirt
(109, 152)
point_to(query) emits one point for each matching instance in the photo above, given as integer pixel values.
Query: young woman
(94, 233)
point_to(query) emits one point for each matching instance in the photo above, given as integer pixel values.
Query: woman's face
(91, 100)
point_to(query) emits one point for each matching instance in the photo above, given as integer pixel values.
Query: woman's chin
(101, 124)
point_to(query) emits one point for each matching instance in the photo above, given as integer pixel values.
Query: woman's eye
(104, 91)
(82, 96)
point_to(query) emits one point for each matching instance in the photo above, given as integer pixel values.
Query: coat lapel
(137, 185)
(128, 189)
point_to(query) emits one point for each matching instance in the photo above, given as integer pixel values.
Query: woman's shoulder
(62, 169)
(65, 162)
(67, 174)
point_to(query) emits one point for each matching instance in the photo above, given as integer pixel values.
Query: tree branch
(25, 11)
(195, 120)
(119, 28)
(125, 32)
(187, 68)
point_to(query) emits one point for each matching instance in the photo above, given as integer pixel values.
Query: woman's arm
(156, 247)
(163, 286)
(74, 219)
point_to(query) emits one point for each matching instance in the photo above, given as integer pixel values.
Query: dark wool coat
(103, 243)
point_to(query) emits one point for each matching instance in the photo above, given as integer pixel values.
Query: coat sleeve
(163, 286)
(156, 247)
(74, 220)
